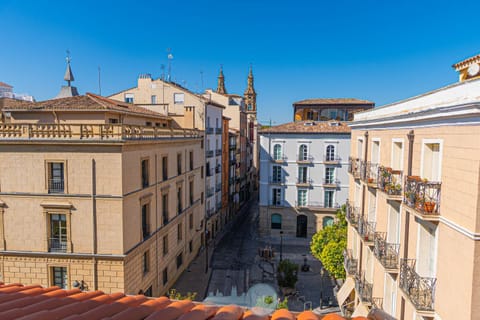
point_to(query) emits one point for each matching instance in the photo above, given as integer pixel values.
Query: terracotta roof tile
(35, 302)
(328, 101)
(3, 84)
(309, 127)
(462, 64)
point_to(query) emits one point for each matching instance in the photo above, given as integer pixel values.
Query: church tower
(68, 90)
(250, 95)
(221, 82)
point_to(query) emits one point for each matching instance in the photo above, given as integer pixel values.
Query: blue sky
(383, 51)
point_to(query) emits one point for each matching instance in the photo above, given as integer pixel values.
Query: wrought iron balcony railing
(331, 159)
(371, 174)
(277, 203)
(386, 253)
(218, 152)
(57, 245)
(232, 147)
(316, 205)
(218, 130)
(354, 167)
(56, 186)
(331, 182)
(390, 181)
(304, 158)
(209, 153)
(304, 181)
(210, 192)
(364, 289)
(276, 180)
(209, 130)
(210, 212)
(349, 263)
(352, 214)
(366, 229)
(422, 195)
(279, 158)
(218, 187)
(420, 290)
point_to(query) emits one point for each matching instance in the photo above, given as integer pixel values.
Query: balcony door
(301, 226)
(426, 249)
(431, 162)
(302, 174)
(393, 230)
(58, 233)
(276, 196)
(375, 151)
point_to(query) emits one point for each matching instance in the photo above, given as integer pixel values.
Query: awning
(360, 311)
(345, 290)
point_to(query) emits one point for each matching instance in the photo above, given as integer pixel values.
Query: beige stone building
(98, 194)
(414, 214)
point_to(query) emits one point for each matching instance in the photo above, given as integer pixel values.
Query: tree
(329, 243)
(287, 274)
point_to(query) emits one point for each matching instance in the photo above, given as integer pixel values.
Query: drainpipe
(156, 219)
(365, 168)
(94, 225)
(410, 137)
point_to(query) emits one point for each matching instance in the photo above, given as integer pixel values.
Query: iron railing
(390, 181)
(305, 181)
(276, 180)
(277, 203)
(386, 253)
(56, 186)
(210, 212)
(371, 173)
(218, 152)
(332, 159)
(366, 229)
(352, 214)
(420, 290)
(209, 153)
(316, 205)
(331, 182)
(422, 195)
(218, 130)
(363, 288)
(57, 245)
(218, 187)
(279, 159)
(209, 130)
(304, 158)
(349, 263)
(354, 167)
(210, 192)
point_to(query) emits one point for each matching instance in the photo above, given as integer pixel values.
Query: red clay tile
(200, 312)
(230, 312)
(282, 314)
(172, 311)
(307, 315)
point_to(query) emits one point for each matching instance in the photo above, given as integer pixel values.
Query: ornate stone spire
(221, 82)
(68, 90)
(250, 95)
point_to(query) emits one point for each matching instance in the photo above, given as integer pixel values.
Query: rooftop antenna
(201, 80)
(170, 58)
(162, 66)
(99, 83)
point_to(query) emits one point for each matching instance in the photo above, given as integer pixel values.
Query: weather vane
(68, 57)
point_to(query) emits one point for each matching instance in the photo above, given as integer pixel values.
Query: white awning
(360, 311)
(345, 290)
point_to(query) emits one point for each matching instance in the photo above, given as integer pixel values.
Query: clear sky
(380, 50)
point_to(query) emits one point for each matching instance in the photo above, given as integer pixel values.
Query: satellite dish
(473, 69)
(262, 299)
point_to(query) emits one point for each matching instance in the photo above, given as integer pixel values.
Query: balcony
(209, 153)
(57, 245)
(232, 147)
(218, 152)
(209, 130)
(329, 159)
(210, 192)
(364, 289)
(423, 196)
(349, 263)
(354, 167)
(218, 131)
(317, 205)
(276, 180)
(218, 169)
(304, 158)
(218, 187)
(366, 230)
(279, 159)
(56, 186)
(371, 174)
(386, 253)
(419, 290)
(233, 161)
(352, 214)
(390, 182)
(277, 203)
(304, 182)
(331, 183)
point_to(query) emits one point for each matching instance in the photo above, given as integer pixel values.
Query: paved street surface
(235, 263)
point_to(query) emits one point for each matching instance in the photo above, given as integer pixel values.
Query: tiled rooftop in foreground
(35, 302)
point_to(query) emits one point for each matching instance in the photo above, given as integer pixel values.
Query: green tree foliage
(287, 274)
(329, 243)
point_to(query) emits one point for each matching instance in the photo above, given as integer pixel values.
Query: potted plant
(370, 180)
(410, 198)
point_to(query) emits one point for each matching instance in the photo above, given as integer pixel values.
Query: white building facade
(303, 176)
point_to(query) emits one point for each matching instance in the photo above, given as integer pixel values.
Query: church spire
(250, 95)
(221, 82)
(68, 73)
(68, 90)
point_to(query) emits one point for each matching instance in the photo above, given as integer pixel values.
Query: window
(165, 168)
(302, 174)
(191, 160)
(112, 120)
(165, 208)
(58, 233)
(302, 197)
(179, 164)
(330, 156)
(431, 161)
(201, 172)
(190, 221)
(148, 124)
(360, 149)
(303, 152)
(201, 197)
(277, 152)
(179, 232)
(327, 221)
(276, 196)
(145, 173)
(190, 192)
(178, 98)
(148, 292)
(375, 151)
(190, 246)
(397, 155)
(165, 276)
(179, 260)
(146, 262)
(145, 221)
(165, 245)
(277, 174)
(179, 200)
(329, 198)
(60, 277)
(276, 221)
(129, 97)
(153, 99)
(55, 177)
(329, 175)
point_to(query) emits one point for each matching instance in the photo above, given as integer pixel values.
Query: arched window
(327, 221)
(330, 156)
(277, 152)
(276, 221)
(303, 152)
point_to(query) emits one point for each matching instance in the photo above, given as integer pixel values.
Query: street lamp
(281, 246)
